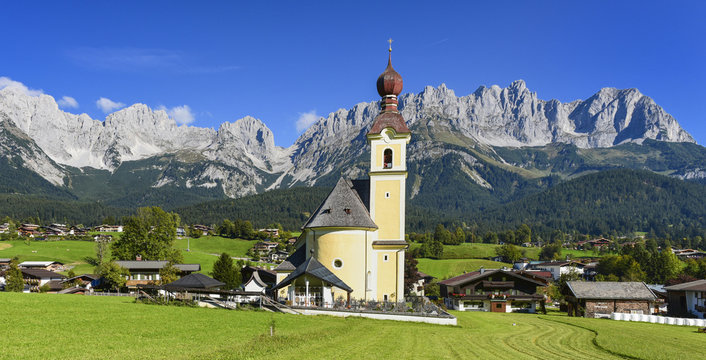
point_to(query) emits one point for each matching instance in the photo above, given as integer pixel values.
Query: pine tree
(225, 271)
(15, 282)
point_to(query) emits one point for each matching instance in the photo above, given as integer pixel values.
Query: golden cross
(390, 41)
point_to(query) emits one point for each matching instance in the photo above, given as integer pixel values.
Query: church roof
(314, 268)
(392, 120)
(294, 260)
(342, 208)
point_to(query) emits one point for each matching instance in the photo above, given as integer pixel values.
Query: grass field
(484, 251)
(446, 268)
(204, 251)
(117, 328)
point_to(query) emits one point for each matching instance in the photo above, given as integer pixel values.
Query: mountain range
(490, 147)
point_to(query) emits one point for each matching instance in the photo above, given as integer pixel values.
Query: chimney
(138, 257)
(482, 270)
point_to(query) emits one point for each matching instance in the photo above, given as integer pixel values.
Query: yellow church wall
(282, 293)
(387, 279)
(350, 247)
(396, 154)
(387, 210)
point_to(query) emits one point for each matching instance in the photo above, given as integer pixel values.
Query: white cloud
(142, 59)
(6, 82)
(306, 119)
(68, 102)
(181, 114)
(108, 105)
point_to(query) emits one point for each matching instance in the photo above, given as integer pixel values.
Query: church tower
(388, 138)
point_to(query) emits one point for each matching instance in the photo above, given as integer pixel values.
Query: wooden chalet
(493, 290)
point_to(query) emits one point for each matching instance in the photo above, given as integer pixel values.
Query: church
(353, 246)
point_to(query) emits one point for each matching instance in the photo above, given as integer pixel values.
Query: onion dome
(389, 86)
(389, 82)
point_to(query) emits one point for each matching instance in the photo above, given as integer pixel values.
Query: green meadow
(446, 268)
(203, 250)
(41, 326)
(484, 251)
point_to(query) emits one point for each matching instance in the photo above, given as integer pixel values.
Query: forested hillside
(619, 201)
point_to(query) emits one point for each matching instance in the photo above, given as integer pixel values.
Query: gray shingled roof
(314, 268)
(195, 281)
(610, 290)
(342, 208)
(294, 260)
(155, 265)
(698, 285)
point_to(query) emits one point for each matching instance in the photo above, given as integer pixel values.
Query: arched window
(387, 159)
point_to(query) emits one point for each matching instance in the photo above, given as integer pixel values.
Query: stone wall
(606, 307)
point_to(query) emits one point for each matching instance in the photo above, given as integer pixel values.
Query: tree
(224, 271)
(101, 249)
(431, 249)
(411, 273)
(508, 237)
(665, 266)
(510, 252)
(442, 235)
(550, 252)
(13, 276)
(114, 276)
(460, 235)
(523, 234)
(150, 234)
(490, 238)
(168, 274)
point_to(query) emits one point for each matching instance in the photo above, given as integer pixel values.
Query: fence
(101, 293)
(655, 319)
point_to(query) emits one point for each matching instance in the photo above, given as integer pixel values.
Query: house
(202, 228)
(270, 232)
(269, 277)
(87, 281)
(558, 268)
(109, 228)
(601, 298)
(687, 299)
(494, 290)
(4, 228)
(147, 272)
(277, 256)
(264, 247)
(595, 243)
(45, 265)
(255, 284)
(689, 254)
(353, 245)
(419, 285)
(103, 238)
(180, 231)
(5, 263)
(36, 278)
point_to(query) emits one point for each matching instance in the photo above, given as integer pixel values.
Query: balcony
(498, 284)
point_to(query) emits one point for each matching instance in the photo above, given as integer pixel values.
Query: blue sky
(210, 62)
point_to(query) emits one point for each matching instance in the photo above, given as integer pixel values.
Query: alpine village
(422, 225)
